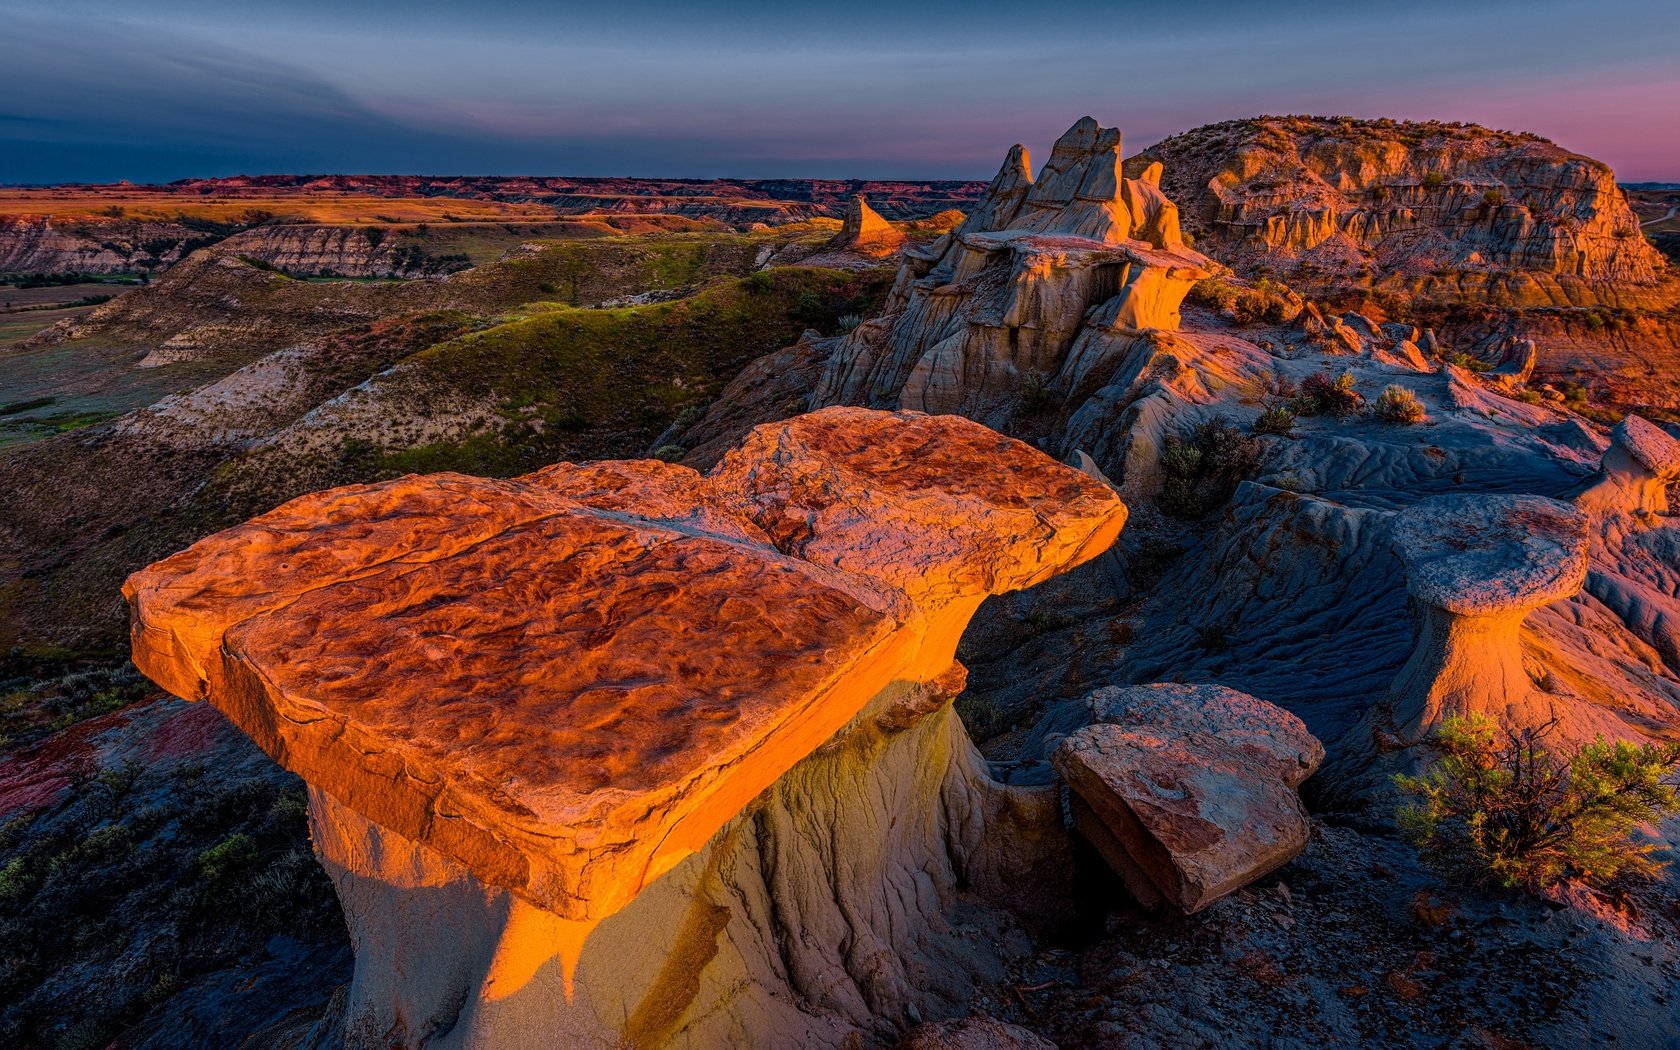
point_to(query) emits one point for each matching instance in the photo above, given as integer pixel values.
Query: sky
(98, 91)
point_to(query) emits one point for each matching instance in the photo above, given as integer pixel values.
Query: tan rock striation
(1453, 212)
(1045, 286)
(1188, 792)
(524, 702)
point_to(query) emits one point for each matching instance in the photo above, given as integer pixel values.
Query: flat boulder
(1187, 791)
(1197, 817)
(1265, 731)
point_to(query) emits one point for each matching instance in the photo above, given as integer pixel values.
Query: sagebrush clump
(1201, 470)
(1325, 395)
(1501, 807)
(1396, 404)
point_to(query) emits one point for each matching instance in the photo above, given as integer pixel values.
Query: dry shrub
(1501, 807)
(1396, 404)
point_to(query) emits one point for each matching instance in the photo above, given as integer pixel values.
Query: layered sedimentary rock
(1041, 291)
(1188, 792)
(1450, 211)
(660, 755)
(41, 244)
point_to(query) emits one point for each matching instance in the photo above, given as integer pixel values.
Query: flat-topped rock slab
(569, 681)
(1265, 731)
(1487, 554)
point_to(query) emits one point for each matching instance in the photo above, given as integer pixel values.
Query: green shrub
(1434, 180)
(1201, 470)
(1500, 807)
(1573, 393)
(1275, 420)
(1036, 395)
(1323, 394)
(1493, 198)
(227, 857)
(848, 323)
(1396, 404)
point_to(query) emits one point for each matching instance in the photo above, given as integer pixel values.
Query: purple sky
(96, 90)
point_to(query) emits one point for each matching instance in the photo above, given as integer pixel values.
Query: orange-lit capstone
(569, 681)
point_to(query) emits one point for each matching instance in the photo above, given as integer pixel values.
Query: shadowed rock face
(1047, 282)
(544, 694)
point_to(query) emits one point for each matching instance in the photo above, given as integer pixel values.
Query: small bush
(1500, 807)
(1573, 393)
(1275, 420)
(1264, 303)
(233, 854)
(1323, 394)
(1202, 470)
(1036, 395)
(1493, 198)
(848, 323)
(1434, 180)
(1396, 404)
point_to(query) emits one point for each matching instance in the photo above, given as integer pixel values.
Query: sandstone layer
(1453, 212)
(542, 695)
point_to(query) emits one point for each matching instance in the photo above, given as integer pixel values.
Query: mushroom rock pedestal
(1188, 791)
(1476, 566)
(620, 754)
(1642, 462)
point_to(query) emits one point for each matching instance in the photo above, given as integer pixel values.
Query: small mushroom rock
(864, 230)
(1188, 791)
(1476, 566)
(1637, 469)
(647, 750)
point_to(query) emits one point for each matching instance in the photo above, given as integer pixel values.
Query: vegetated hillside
(1444, 211)
(334, 382)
